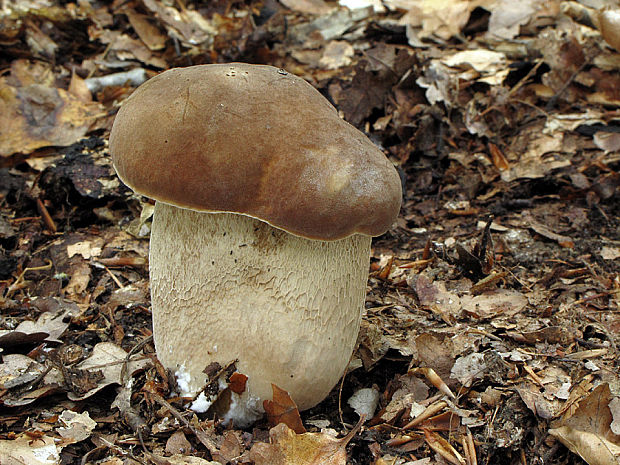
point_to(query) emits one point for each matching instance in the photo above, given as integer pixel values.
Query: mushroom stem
(229, 287)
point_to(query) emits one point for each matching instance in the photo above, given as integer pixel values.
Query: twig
(47, 218)
(340, 401)
(553, 100)
(20, 278)
(200, 435)
(133, 351)
(427, 413)
(121, 451)
(114, 278)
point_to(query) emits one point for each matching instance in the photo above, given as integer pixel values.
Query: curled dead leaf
(282, 409)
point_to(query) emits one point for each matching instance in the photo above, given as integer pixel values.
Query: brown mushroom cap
(258, 141)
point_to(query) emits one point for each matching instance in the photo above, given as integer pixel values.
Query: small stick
(427, 413)
(45, 215)
(200, 435)
(114, 278)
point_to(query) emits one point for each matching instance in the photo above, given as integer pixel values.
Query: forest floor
(492, 318)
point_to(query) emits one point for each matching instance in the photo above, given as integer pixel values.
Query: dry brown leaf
(150, 34)
(313, 7)
(128, 48)
(469, 368)
(589, 446)
(109, 358)
(45, 450)
(436, 352)
(499, 160)
(588, 431)
(435, 297)
(187, 25)
(499, 302)
(230, 448)
(443, 448)
(282, 409)
(37, 115)
(439, 18)
(17, 371)
(79, 89)
(49, 326)
(337, 53)
(24, 450)
(287, 448)
(78, 427)
(533, 397)
(508, 16)
(609, 25)
(593, 414)
(80, 277)
(544, 231)
(179, 459)
(411, 390)
(178, 444)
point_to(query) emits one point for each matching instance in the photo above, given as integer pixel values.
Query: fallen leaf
(508, 16)
(533, 397)
(469, 368)
(80, 277)
(587, 432)
(494, 303)
(150, 34)
(178, 444)
(178, 459)
(481, 60)
(614, 407)
(282, 409)
(38, 115)
(434, 351)
(313, 7)
(589, 446)
(187, 25)
(337, 53)
(440, 18)
(25, 450)
(78, 427)
(17, 371)
(367, 91)
(86, 249)
(79, 89)
(49, 326)
(563, 241)
(411, 390)
(109, 359)
(287, 448)
(364, 401)
(435, 297)
(230, 448)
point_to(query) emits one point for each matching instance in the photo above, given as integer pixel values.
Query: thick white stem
(226, 287)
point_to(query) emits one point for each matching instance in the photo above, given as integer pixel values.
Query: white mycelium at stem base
(226, 286)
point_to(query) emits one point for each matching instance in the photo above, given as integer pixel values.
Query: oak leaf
(287, 448)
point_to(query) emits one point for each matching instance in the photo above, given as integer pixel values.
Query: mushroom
(266, 201)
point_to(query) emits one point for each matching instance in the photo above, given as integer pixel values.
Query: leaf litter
(482, 341)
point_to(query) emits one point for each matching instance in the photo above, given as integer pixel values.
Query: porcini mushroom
(266, 201)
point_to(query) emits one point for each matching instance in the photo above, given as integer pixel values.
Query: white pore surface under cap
(228, 287)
